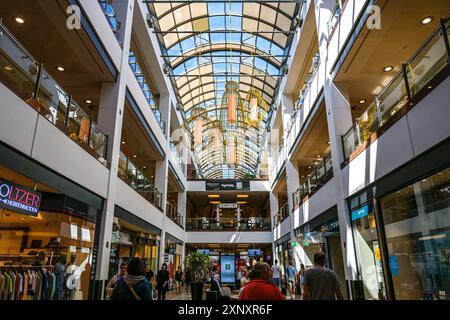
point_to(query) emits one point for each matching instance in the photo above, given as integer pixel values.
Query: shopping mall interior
(250, 131)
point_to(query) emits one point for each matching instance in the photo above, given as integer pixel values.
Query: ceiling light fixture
(241, 202)
(8, 68)
(134, 156)
(59, 68)
(426, 20)
(362, 101)
(19, 20)
(213, 196)
(388, 68)
(88, 101)
(242, 195)
(123, 142)
(214, 202)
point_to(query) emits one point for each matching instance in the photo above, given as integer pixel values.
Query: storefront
(173, 256)
(402, 240)
(283, 252)
(320, 234)
(133, 237)
(40, 220)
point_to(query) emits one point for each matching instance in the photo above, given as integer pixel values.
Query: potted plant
(198, 264)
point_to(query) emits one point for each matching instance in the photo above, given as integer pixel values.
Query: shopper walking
(162, 282)
(179, 278)
(116, 278)
(291, 273)
(134, 285)
(300, 277)
(276, 277)
(321, 283)
(187, 277)
(150, 276)
(260, 287)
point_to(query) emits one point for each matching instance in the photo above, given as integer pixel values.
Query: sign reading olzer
(228, 185)
(14, 197)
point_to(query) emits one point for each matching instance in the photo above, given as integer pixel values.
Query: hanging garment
(2, 285)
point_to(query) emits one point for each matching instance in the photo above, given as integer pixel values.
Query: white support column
(339, 120)
(110, 117)
(293, 183)
(182, 198)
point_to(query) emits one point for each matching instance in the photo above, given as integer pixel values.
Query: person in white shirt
(276, 274)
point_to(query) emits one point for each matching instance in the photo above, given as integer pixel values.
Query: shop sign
(14, 197)
(228, 205)
(360, 212)
(294, 244)
(228, 185)
(124, 238)
(329, 226)
(393, 265)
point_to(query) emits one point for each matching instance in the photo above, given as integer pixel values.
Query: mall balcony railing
(317, 177)
(282, 214)
(111, 16)
(143, 84)
(27, 78)
(311, 91)
(178, 156)
(135, 178)
(227, 174)
(336, 16)
(278, 160)
(228, 224)
(173, 214)
(428, 64)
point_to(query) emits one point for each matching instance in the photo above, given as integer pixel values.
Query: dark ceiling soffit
(144, 122)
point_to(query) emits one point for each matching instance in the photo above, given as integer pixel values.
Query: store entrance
(336, 261)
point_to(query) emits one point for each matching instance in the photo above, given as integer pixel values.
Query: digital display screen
(228, 268)
(254, 253)
(204, 251)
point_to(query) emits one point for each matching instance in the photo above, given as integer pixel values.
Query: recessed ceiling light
(88, 101)
(152, 177)
(362, 101)
(59, 68)
(123, 142)
(134, 156)
(388, 68)
(213, 196)
(242, 195)
(329, 142)
(8, 68)
(426, 20)
(241, 202)
(19, 20)
(430, 87)
(214, 202)
(144, 168)
(318, 156)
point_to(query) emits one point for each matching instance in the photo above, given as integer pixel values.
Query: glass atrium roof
(207, 43)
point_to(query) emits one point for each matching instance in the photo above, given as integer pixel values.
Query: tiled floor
(184, 295)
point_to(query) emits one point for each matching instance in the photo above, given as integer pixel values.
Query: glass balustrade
(415, 77)
(25, 76)
(317, 177)
(139, 75)
(228, 224)
(110, 15)
(178, 156)
(173, 214)
(136, 179)
(282, 214)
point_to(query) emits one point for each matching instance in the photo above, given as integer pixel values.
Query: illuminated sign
(228, 205)
(228, 185)
(361, 212)
(17, 198)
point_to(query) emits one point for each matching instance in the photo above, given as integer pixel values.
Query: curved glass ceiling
(207, 43)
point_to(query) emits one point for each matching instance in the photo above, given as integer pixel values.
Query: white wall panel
(58, 152)
(134, 203)
(17, 121)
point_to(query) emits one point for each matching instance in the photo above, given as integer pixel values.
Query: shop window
(368, 252)
(417, 226)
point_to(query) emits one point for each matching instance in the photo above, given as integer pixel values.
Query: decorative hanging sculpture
(255, 108)
(198, 131)
(232, 107)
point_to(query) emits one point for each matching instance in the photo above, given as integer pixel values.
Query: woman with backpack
(133, 286)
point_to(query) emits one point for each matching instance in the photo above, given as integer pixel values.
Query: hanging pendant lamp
(198, 131)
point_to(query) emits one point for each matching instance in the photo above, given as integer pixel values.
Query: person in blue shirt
(291, 274)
